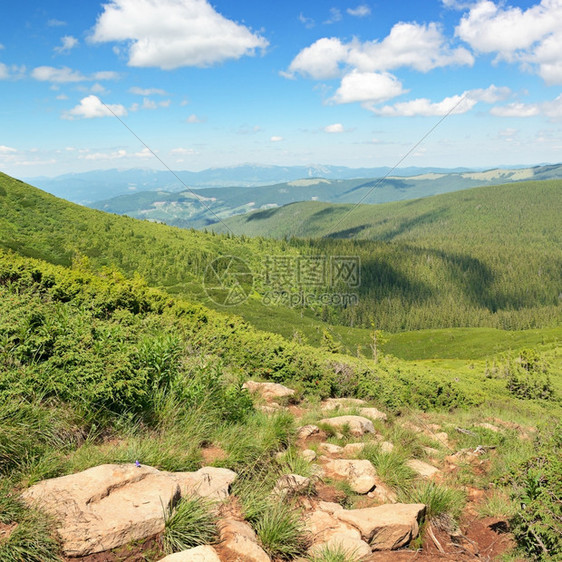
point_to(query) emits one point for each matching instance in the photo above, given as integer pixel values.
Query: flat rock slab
(330, 449)
(425, 470)
(111, 505)
(306, 431)
(386, 527)
(198, 554)
(360, 474)
(269, 391)
(358, 425)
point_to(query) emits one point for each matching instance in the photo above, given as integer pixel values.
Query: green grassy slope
(402, 287)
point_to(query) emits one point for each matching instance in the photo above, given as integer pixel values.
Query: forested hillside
(423, 272)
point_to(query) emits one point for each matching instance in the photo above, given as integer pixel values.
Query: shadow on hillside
(262, 215)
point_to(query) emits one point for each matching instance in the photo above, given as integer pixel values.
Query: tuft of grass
(281, 531)
(32, 537)
(333, 554)
(191, 522)
(441, 502)
(291, 462)
(497, 504)
(391, 467)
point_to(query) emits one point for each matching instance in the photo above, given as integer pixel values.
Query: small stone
(307, 431)
(360, 474)
(308, 455)
(353, 449)
(489, 426)
(386, 447)
(330, 448)
(373, 413)
(340, 403)
(291, 484)
(198, 554)
(357, 425)
(424, 469)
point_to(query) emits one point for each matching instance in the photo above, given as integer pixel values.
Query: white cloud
(91, 106)
(459, 4)
(62, 97)
(105, 155)
(454, 105)
(276, 139)
(418, 46)
(371, 87)
(183, 151)
(194, 119)
(146, 91)
(551, 109)
(335, 128)
(360, 12)
(97, 88)
(532, 37)
(105, 75)
(335, 16)
(64, 75)
(3, 71)
(61, 75)
(68, 43)
(309, 23)
(56, 23)
(173, 33)
(7, 149)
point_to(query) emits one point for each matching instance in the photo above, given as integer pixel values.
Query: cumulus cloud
(276, 139)
(360, 12)
(532, 37)
(65, 75)
(371, 87)
(91, 106)
(421, 47)
(194, 119)
(67, 44)
(7, 149)
(173, 33)
(551, 109)
(146, 91)
(453, 105)
(335, 128)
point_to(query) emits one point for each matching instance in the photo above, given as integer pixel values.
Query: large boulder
(241, 541)
(373, 414)
(197, 554)
(327, 532)
(269, 391)
(386, 527)
(357, 425)
(360, 474)
(111, 505)
(341, 403)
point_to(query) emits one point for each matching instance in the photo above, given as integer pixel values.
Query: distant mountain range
(88, 187)
(198, 208)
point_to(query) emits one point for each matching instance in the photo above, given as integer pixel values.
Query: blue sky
(285, 83)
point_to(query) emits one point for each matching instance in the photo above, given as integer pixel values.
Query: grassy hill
(201, 207)
(425, 272)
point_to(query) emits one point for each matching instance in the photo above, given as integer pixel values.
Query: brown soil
(6, 530)
(212, 453)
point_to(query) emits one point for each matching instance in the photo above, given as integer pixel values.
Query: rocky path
(104, 512)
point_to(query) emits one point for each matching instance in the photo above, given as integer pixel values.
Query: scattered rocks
(360, 474)
(386, 527)
(357, 425)
(386, 446)
(269, 391)
(198, 554)
(373, 413)
(423, 469)
(111, 505)
(307, 431)
(330, 449)
(352, 449)
(241, 540)
(383, 494)
(291, 484)
(341, 403)
(308, 455)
